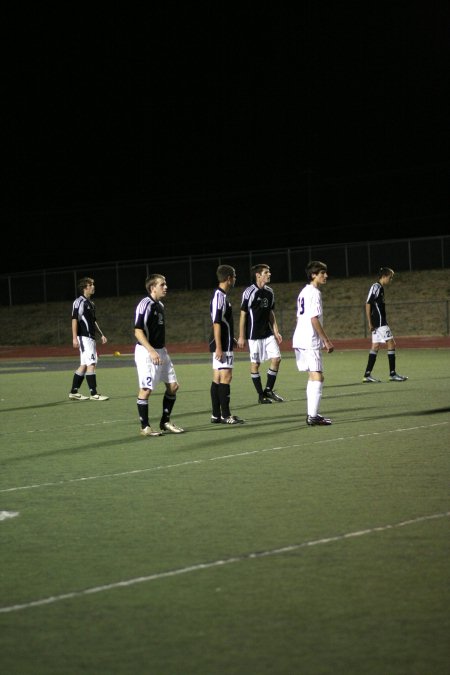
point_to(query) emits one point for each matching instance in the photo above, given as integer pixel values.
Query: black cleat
(318, 421)
(269, 393)
(263, 399)
(232, 419)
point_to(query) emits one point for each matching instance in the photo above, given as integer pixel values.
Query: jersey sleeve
(139, 316)
(217, 305)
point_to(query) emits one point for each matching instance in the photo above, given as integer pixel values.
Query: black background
(134, 133)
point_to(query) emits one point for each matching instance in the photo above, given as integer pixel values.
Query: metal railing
(125, 277)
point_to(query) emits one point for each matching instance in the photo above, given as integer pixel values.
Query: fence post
(117, 280)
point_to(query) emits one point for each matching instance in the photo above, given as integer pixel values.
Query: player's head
(385, 272)
(314, 267)
(259, 269)
(84, 283)
(153, 280)
(223, 273)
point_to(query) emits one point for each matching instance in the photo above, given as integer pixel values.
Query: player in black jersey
(221, 345)
(378, 326)
(153, 362)
(84, 327)
(259, 326)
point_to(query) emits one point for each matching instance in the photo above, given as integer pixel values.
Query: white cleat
(148, 431)
(78, 397)
(173, 428)
(98, 397)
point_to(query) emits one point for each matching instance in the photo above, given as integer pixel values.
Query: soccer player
(259, 326)
(309, 338)
(84, 326)
(378, 326)
(222, 347)
(152, 360)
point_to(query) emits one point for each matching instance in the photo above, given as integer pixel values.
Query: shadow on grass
(52, 404)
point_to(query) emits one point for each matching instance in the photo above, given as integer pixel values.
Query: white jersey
(309, 305)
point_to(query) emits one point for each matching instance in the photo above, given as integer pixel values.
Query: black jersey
(149, 317)
(83, 310)
(258, 303)
(377, 307)
(221, 312)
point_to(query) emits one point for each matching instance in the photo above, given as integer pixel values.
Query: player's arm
(104, 338)
(217, 328)
(242, 322)
(75, 343)
(274, 326)
(368, 316)
(323, 336)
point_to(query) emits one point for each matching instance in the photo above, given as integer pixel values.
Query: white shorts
(149, 374)
(226, 362)
(264, 349)
(88, 351)
(382, 334)
(309, 360)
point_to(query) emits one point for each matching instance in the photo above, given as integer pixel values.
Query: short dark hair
(257, 269)
(385, 272)
(225, 271)
(314, 267)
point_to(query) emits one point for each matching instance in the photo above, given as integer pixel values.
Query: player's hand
(329, 347)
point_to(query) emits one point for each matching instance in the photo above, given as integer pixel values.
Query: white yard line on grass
(216, 563)
(4, 515)
(132, 472)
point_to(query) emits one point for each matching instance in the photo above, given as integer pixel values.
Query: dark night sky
(246, 127)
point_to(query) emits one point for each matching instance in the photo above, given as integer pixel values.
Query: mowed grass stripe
(259, 543)
(236, 455)
(289, 548)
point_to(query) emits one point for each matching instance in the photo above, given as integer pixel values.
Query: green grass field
(270, 548)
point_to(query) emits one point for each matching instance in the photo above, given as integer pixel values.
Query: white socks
(313, 396)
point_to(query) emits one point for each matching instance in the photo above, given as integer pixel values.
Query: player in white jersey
(310, 338)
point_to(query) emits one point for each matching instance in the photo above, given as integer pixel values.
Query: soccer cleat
(369, 378)
(318, 421)
(170, 426)
(397, 378)
(98, 397)
(78, 397)
(216, 420)
(269, 393)
(232, 419)
(263, 399)
(148, 431)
